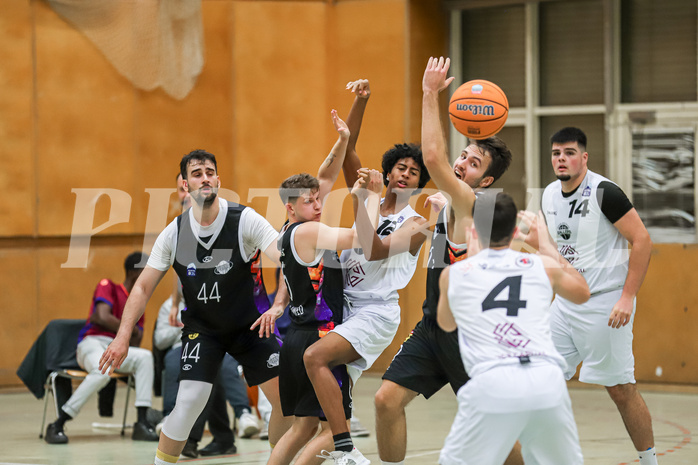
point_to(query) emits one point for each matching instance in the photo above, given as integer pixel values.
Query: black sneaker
(55, 434)
(216, 448)
(143, 432)
(190, 449)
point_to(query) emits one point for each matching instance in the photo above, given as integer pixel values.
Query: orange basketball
(478, 109)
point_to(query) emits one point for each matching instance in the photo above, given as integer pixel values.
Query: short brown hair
(294, 186)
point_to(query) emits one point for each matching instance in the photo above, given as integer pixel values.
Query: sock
(62, 418)
(162, 458)
(343, 442)
(142, 414)
(648, 457)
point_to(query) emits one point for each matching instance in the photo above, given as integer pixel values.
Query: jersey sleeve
(257, 233)
(613, 201)
(162, 255)
(104, 292)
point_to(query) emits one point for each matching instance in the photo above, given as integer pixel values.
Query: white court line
(7, 463)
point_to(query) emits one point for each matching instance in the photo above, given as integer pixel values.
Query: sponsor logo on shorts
(187, 367)
(297, 311)
(564, 231)
(223, 267)
(273, 360)
(191, 269)
(207, 259)
(193, 336)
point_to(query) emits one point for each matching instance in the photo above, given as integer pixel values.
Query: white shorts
(369, 328)
(581, 334)
(525, 402)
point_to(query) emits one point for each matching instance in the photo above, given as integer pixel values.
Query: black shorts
(202, 355)
(427, 360)
(295, 389)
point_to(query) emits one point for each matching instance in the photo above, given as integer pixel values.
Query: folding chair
(50, 386)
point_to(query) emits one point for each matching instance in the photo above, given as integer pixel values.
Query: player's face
(404, 175)
(569, 162)
(308, 207)
(471, 166)
(202, 181)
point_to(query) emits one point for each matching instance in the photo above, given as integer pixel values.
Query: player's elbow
(581, 295)
(444, 323)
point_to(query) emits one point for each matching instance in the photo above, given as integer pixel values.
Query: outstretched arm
(434, 140)
(329, 170)
(352, 163)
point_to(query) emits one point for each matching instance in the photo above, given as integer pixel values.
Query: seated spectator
(100, 329)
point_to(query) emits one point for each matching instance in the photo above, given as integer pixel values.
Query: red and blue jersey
(115, 296)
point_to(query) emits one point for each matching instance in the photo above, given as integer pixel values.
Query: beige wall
(272, 72)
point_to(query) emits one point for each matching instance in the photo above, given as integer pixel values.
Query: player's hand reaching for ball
(369, 181)
(340, 126)
(360, 87)
(435, 75)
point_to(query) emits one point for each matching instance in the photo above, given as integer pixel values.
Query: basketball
(478, 109)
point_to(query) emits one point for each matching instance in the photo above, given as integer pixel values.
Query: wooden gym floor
(603, 437)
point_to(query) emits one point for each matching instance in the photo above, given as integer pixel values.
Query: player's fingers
(447, 63)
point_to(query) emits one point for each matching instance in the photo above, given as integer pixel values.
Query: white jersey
(379, 279)
(584, 236)
(500, 300)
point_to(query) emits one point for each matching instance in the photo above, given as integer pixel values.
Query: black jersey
(223, 292)
(316, 290)
(441, 255)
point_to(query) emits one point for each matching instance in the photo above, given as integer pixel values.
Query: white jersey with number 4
(584, 236)
(500, 300)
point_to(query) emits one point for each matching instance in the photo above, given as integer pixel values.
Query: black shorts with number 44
(202, 355)
(428, 360)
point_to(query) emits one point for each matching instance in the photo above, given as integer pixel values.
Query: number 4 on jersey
(513, 303)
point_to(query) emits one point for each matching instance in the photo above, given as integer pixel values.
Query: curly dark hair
(400, 151)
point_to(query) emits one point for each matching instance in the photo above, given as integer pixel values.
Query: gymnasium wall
(72, 127)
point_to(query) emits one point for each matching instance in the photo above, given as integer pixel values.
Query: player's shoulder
(551, 189)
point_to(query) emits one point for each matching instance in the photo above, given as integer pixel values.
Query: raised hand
(437, 201)
(340, 126)
(434, 79)
(360, 87)
(368, 181)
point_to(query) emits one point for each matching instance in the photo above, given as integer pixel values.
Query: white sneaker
(345, 458)
(247, 425)
(264, 434)
(357, 429)
(158, 427)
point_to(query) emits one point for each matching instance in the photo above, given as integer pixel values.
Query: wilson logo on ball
(478, 109)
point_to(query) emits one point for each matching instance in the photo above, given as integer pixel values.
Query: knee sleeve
(191, 400)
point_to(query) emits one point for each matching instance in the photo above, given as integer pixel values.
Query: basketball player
(214, 248)
(429, 357)
(592, 221)
(499, 300)
(313, 276)
(372, 277)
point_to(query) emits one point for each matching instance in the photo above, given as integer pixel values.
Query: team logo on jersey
(297, 311)
(273, 360)
(191, 269)
(586, 192)
(401, 219)
(207, 259)
(524, 262)
(193, 336)
(223, 267)
(187, 367)
(355, 273)
(564, 231)
(509, 335)
(570, 254)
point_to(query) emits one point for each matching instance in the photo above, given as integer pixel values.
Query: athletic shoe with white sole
(345, 458)
(357, 429)
(247, 425)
